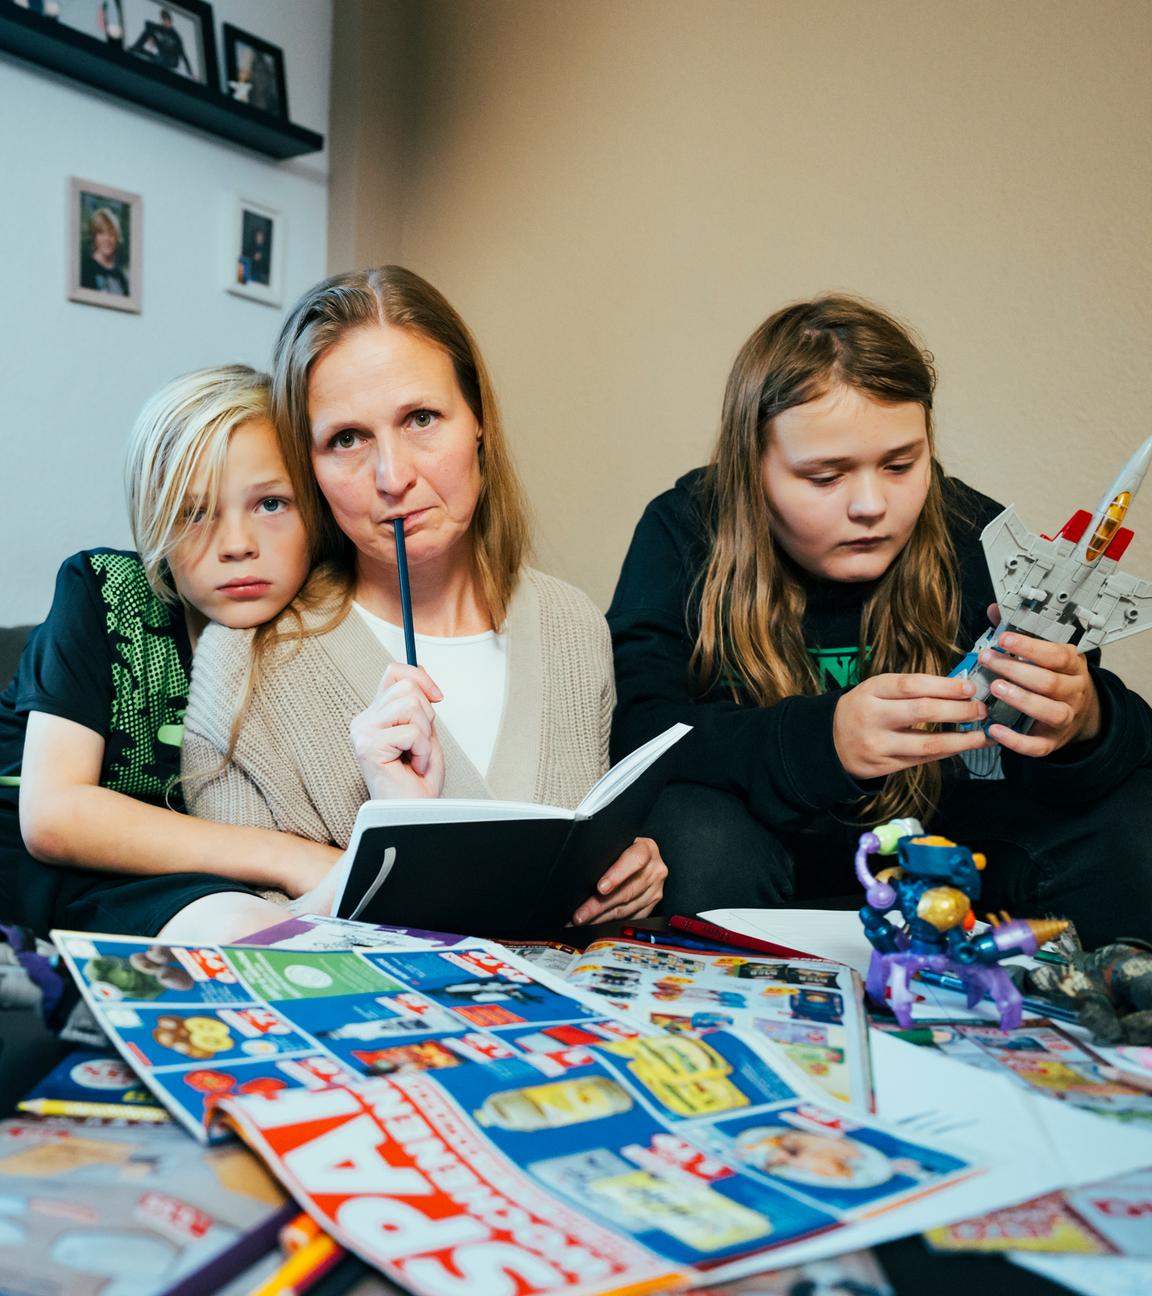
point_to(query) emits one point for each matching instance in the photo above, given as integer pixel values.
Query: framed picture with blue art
(256, 254)
(104, 242)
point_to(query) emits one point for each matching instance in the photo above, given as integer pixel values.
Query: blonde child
(92, 834)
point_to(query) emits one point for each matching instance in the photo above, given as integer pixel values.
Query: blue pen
(674, 942)
(405, 592)
(947, 981)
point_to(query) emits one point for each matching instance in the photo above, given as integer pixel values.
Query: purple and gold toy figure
(933, 886)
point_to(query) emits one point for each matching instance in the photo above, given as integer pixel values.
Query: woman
(800, 602)
(381, 390)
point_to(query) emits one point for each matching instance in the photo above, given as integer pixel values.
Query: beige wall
(614, 192)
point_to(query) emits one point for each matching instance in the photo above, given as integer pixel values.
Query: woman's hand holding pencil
(395, 737)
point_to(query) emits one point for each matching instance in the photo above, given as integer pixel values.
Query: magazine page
(814, 1011)
(89, 1209)
(321, 931)
(200, 1022)
(651, 1160)
(1041, 1057)
(552, 956)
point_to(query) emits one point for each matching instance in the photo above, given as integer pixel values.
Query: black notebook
(496, 867)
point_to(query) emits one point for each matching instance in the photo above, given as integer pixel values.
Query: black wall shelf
(49, 44)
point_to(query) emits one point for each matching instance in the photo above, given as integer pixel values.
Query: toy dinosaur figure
(1111, 988)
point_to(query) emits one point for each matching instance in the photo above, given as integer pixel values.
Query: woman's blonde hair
(392, 295)
(176, 456)
(751, 599)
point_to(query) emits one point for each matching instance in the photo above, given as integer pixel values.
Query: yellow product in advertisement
(547, 1106)
(692, 1213)
(683, 1073)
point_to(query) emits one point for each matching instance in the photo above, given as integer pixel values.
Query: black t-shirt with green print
(112, 657)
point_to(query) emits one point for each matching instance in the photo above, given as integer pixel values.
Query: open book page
(625, 772)
(813, 1011)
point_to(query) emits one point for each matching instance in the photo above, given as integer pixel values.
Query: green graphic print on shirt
(837, 667)
(149, 682)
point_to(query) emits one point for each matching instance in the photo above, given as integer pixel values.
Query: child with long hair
(91, 834)
(800, 602)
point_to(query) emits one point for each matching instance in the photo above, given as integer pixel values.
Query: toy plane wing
(1016, 557)
(1123, 607)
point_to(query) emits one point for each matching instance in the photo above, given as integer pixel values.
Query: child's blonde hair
(182, 432)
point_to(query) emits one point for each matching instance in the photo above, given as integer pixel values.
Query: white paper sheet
(826, 933)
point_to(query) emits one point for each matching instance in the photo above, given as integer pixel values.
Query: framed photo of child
(256, 253)
(105, 228)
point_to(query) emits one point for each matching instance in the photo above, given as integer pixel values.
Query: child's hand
(878, 726)
(631, 888)
(303, 866)
(395, 738)
(319, 896)
(1052, 685)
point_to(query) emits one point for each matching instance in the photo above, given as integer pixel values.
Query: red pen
(707, 931)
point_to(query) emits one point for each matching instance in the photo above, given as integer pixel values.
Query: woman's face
(393, 436)
(845, 477)
(104, 244)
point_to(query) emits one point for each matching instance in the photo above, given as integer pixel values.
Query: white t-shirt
(470, 671)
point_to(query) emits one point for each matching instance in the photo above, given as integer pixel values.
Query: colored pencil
(296, 1235)
(673, 940)
(1039, 1007)
(303, 1268)
(707, 931)
(102, 1111)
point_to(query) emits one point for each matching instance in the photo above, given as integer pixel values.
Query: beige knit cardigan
(294, 768)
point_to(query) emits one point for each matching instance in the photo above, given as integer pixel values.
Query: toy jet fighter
(1066, 588)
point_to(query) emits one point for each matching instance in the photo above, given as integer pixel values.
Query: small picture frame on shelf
(105, 228)
(254, 72)
(103, 20)
(256, 254)
(175, 35)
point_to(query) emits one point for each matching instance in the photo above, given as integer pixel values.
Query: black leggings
(1091, 864)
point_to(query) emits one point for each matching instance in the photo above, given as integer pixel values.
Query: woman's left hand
(631, 888)
(1052, 685)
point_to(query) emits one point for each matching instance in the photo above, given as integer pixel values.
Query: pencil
(405, 593)
(296, 1236)
(103, 1111)
(303, 1268)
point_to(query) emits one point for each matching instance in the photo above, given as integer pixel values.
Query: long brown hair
(392, 295)
(751, 602)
